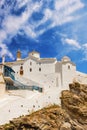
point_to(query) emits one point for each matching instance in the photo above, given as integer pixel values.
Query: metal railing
(9, 72)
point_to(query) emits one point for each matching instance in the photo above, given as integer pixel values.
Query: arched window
(69, 67)
(30, 69)
(21, 70)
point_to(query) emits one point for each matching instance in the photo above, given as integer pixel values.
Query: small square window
(39, 69)
(21, 72)
(21, 68)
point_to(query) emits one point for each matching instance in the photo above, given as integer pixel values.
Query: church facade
(44, 72)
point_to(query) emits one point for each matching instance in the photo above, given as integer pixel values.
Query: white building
(45, 75)
(45, 72)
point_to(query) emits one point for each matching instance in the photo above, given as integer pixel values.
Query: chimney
(3, 59)
(18, 55)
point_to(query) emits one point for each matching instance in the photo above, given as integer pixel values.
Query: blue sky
(53, 27)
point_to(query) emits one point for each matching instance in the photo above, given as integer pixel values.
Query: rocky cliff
(72, 115)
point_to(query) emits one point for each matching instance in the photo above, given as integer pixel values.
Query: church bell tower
(18, 55)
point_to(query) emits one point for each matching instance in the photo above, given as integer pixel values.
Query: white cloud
(2, 2)
(2, 35)
(62, 13)
(84, 46)
(74, 45)
(48, 14)
(28, 29)
(72, 42)
(12, 24)
(5, 51)
(71, 5)
(21, 3)
(84, 49)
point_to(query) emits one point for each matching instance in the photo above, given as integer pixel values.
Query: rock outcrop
(75, 102)
(72, 115)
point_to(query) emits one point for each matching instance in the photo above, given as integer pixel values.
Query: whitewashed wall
(46, 76)
(46, 68)
(81, 77)
(16, 68)
(2, 85)
(68, 74)
(56, 74)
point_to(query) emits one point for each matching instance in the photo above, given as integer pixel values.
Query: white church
(41, 72)
(33, 83)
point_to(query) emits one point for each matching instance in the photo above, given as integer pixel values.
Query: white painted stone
(47, 72)
(52, 75)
